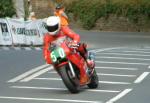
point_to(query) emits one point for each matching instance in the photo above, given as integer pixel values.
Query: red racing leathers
(64, 32)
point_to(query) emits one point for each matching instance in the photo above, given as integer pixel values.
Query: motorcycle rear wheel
(94, 83)
(71, 83)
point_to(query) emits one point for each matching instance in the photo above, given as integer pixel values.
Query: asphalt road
(122, 64)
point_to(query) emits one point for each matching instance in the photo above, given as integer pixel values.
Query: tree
(6, 8)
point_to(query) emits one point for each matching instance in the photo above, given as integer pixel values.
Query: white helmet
(53, 25)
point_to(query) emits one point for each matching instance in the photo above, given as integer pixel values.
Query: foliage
(6, 8)
(88, 11)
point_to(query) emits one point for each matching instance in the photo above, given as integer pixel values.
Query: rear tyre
(71, 83)
(94, 81)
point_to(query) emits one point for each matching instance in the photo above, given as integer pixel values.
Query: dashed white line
(148, 49)
(106, 91)
(141, 77)
(44, 88)
(105, 82)
(47, 79)
(119, 75)
(124, 54)
(28, 48)
(36, 74)
(105, 74)
(28, 73)
(122, 58)
(121, 63)
(38, 48)
(118, 68)
(47, 88)
(105, 49)
(131, 51)
(49, 99)
(120, 95)
(17, 48)
(110, 82)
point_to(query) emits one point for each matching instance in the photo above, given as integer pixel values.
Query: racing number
(58, 53)
(61, 53)
(53, 56)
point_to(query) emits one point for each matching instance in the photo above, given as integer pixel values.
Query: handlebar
(73, 45)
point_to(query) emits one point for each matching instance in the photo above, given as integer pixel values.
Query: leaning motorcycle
(67, 61)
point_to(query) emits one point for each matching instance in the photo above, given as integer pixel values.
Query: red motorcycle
(67, 61)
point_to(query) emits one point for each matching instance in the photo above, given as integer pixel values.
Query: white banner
(5, 35)
(13, 31)
(41, 27)
(32, 33)
(17, 29)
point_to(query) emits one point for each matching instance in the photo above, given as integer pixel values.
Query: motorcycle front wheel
(72, 83)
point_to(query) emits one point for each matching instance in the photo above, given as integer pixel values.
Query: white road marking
(28, 73)
(17, 48)
(132, 51)
(104, 74)
(47, 78)
(49, 99)
(119, 75)
(106, 91)
(120, 95)
(124, 54)
(121, 63)
(28, 48)
(47, 88)
(37, 74)
(122, 58)
(105, 82)
(118, 68)
(38, 48)
(110, 82)
(141, 77)
(141, 49)
(105, 49)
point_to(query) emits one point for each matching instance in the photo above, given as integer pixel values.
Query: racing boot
(91, 63)
(90, 60)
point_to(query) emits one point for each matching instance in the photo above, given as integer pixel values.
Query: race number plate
(57, 54)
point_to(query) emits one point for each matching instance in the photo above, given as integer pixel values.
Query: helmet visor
(53, 28)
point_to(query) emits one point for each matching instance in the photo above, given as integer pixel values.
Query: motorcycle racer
(56, 31)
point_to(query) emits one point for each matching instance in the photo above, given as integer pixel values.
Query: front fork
(71, 69)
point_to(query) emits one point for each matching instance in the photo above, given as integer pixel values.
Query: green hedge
(88, 11)
(6, 8)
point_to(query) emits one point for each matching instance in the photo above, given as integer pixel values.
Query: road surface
(122, 64)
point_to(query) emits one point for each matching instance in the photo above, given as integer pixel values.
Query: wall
(42, 8)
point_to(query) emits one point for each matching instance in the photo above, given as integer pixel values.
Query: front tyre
(71, 83)
(94, 81)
